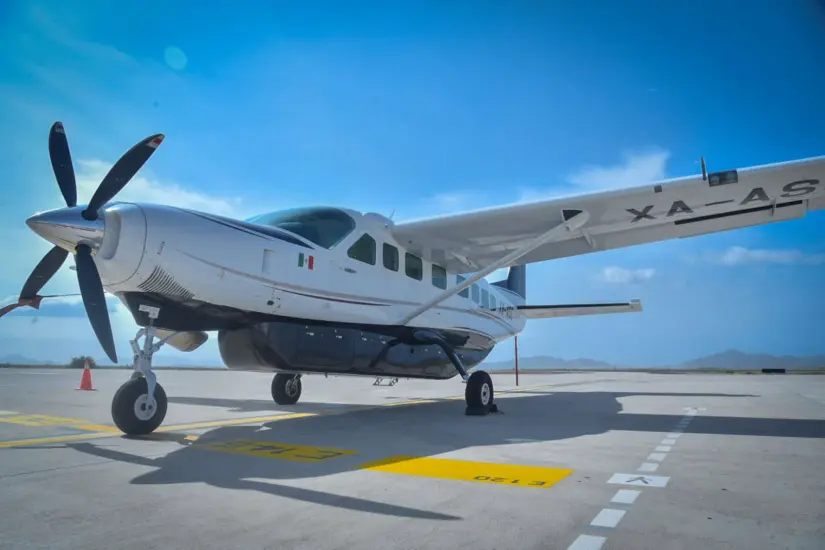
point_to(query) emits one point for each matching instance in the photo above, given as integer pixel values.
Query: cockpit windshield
(323, 226)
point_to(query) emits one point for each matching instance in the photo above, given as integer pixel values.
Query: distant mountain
(548, 362)
(738, 360)
(726, 360)
(17, 359)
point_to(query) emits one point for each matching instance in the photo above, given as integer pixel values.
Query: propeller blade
(120, 174)
(94, 300)
(62, 163)
(42, 272)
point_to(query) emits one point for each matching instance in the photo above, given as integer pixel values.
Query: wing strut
(573, 220)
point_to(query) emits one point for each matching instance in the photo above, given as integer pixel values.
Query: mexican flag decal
(305, 261)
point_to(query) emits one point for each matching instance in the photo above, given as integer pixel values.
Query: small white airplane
(334, 291)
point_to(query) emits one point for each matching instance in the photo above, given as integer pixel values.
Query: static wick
(704, 170)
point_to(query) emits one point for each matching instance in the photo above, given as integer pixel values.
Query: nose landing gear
(139, 405)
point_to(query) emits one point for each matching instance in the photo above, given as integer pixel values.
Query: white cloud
(739, 255)
(620, 275)
(145, 189)
(636, 168)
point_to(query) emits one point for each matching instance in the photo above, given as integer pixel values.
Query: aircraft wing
(657, 211)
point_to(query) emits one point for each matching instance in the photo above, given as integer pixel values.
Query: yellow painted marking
(112, 431)
(464, 470)
(39, 420)
(46, 421)
(273, 449)
(97, 428)
(167, 436)
(55, 439)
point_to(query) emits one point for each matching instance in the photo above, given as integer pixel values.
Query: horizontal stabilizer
(570, 310)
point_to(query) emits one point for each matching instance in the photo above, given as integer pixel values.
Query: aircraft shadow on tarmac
(421, 430)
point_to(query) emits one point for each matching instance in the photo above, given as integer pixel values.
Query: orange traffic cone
(86, 378)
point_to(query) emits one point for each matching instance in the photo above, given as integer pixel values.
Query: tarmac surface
(577, 460)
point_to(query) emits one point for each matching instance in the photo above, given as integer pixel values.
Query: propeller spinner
(88, 278)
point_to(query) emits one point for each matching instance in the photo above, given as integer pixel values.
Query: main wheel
(479, 391)
(286, 388)
(132, 412)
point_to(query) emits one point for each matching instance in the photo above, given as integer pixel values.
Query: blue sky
(432, 107)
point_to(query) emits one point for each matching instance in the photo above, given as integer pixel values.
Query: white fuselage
(154, 248)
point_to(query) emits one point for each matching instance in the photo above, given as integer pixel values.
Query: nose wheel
(139, 405)
(134, 412)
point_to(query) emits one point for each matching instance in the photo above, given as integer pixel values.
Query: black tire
(286, 388)
(125, 402)
(479, 391)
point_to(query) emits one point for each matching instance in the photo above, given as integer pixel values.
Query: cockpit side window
(325, 227)
(363, 250)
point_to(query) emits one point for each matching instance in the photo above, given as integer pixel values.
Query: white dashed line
(625, 496)
(587, 542)
(608, 517)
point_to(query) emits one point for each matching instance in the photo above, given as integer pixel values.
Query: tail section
(516, 280)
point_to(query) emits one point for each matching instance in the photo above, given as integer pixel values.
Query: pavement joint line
(609, 518)
(100, 431)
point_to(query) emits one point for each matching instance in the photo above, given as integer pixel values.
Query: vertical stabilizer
(516, 280)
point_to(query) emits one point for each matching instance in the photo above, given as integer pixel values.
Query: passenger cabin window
(325, 227)
(413, 266)
(363, 250)
(466, 292)
(390, 257)
(439, 276)
(485, 299)
(476, 293)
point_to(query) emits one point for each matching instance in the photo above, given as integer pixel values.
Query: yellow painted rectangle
(512, 475)
(274, 449)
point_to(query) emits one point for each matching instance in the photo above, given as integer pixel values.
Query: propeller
(88, 277)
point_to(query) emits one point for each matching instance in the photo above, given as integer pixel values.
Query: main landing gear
(139, 405)
(478, 393)
(286, 388)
